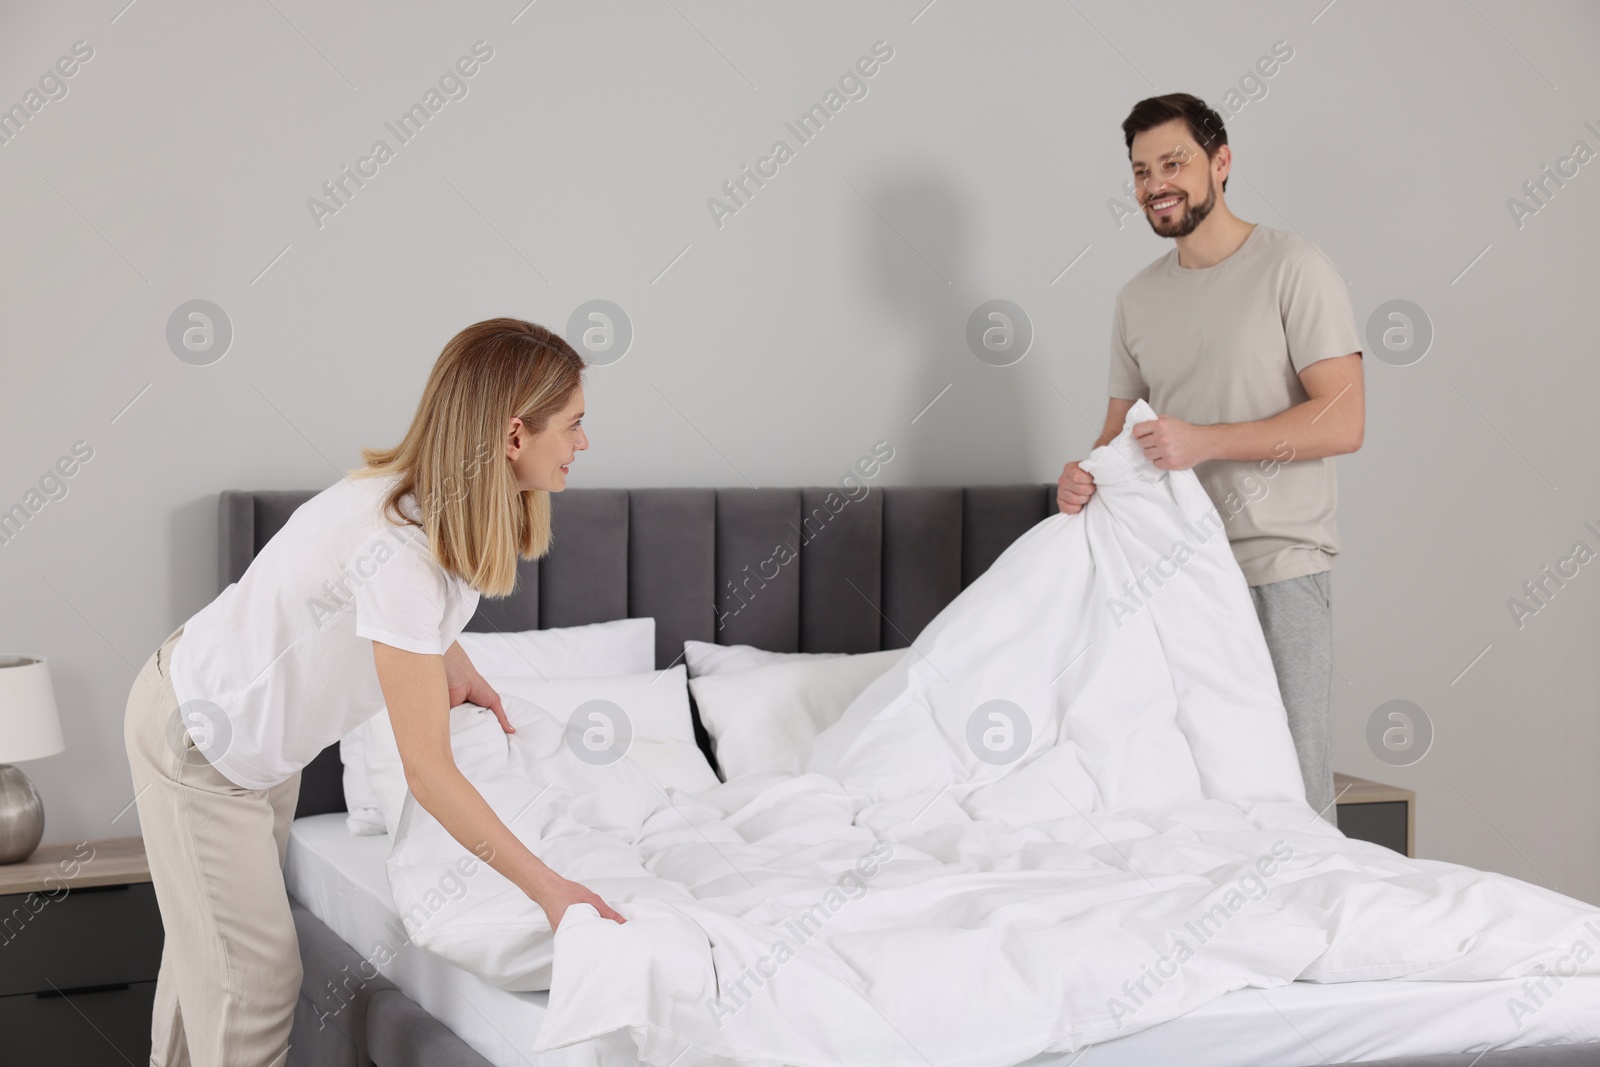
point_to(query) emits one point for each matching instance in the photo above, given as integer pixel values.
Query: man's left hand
(1172, 444)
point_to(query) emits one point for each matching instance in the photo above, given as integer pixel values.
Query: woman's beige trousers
(230, 968)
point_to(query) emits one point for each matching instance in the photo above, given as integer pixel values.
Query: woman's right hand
(562, 894)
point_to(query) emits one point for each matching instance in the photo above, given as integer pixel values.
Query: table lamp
(29, 729)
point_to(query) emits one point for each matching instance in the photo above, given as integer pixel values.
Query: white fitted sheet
(341, 880)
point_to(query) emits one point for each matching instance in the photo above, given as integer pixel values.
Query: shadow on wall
(192, 565)
(979, 431)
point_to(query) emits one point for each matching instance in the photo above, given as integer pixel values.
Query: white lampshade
(29, 726)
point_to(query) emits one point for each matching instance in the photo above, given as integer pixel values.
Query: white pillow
(758, 715)
(656, 704)
(363, 816)
(388, 774)
(705, 658)
(624, 646)
(599, 650)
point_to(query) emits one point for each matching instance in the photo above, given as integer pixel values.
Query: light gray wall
(824, 315)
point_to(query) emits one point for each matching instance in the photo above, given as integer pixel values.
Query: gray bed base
(870, 570)
(344, 1020)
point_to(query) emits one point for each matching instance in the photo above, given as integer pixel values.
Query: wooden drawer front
(84, 1029)
(1382, 823)
(83, 937)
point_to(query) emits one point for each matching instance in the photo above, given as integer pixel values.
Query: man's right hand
(561, 895)
(1074, 488)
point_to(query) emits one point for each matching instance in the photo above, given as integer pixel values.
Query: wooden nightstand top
(113, 861)
(1361, 791)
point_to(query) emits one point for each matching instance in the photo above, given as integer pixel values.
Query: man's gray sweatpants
(1297, 621)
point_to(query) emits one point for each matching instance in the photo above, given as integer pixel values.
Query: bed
(888, 563)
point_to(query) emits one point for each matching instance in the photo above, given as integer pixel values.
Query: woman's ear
(516, 437)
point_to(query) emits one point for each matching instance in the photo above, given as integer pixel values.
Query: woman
(355, 604)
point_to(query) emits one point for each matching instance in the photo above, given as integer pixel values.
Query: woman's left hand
(467, 686)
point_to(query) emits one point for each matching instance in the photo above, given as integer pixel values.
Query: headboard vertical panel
(672, 566)
(758, 593)
(921, 558)
(584, 578)
(236, 535)
(510, 614)
(841, 571)
(993, 517)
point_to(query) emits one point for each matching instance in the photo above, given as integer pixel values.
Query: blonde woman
(355, 604)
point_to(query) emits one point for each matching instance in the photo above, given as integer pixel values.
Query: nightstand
(80, 946)
(1370, 811)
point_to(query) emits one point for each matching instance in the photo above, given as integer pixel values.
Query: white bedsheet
(901, 894)
(341, 880)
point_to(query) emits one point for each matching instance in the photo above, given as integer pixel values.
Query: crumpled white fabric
(930, 884)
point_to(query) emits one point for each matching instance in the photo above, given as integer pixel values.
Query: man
(1243, 341)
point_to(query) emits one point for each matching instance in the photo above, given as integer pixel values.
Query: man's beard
(1193, 214)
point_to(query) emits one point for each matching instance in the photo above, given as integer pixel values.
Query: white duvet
(1070, 812)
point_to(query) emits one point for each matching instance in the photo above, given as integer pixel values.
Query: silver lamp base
(21, 816)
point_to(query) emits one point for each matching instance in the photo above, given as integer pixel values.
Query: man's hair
(1205, 125)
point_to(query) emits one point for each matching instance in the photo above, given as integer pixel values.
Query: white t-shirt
(279, 666)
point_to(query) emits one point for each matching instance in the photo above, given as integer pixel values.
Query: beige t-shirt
(1226, 343)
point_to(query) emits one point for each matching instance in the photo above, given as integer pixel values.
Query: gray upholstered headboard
(790, 570)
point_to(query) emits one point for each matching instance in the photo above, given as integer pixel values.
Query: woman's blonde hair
(452, 459)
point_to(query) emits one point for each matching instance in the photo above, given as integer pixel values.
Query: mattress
(341, 880)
